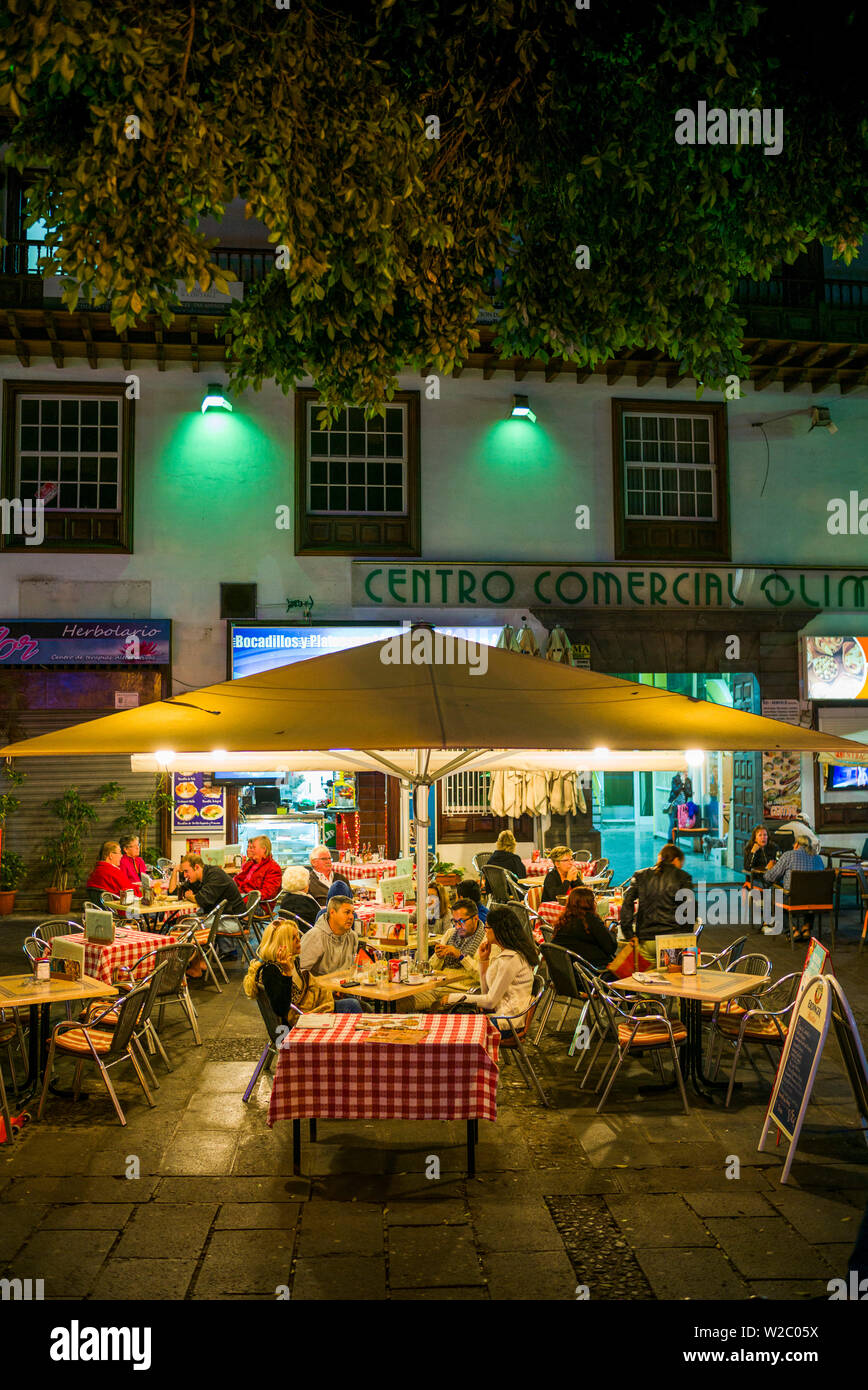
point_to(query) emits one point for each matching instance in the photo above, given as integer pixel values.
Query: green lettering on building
(858, 591)
(771, 579)
(466, 585)
(658, 588)
(510, 586)
(368, 577)
(544, 574)
(425, 576)
(712, 581)
(571, 574)
(606, 578)
(397, 577)
(685, 574)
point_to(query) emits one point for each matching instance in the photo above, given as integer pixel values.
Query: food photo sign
(197, 804)
(836, 668)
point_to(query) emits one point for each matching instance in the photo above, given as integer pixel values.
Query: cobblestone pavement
(632, 1204)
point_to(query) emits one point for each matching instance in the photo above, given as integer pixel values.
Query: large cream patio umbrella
(418, 709)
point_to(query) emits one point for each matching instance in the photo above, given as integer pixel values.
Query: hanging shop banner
(836, 668)
(73, 642)
(523, 585)
(782, 772)
(197, 804)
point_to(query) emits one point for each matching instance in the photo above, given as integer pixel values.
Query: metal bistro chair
(240, 924)
(849, 871)
(721, 960)
(512, 1037)
(810, 890)
(165, 865)
(754, 963)
(107, 1047)
(564, 987)
(269, 1052)
(481, 859)
(503, 886)
(766, 1023)
(175, 958)
(11, 1032)
(57, 926)
(602, 1023)
(642, 1028)
(202, 933)
(34, 949)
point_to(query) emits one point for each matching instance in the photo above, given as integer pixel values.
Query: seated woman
(132, 863)
(298, 900)
(276, 971)
(581, 931)
(561, 876)
(758, 853)
(507, 982)
(505, 857)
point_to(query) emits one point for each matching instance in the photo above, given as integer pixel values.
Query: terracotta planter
(446, 880)
(59, 901)
(7, 902)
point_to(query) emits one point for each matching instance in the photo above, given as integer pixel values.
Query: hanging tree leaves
(556, 130)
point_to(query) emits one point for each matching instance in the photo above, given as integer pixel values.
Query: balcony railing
(817, 300)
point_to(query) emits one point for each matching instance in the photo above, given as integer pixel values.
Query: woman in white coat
(507, 982)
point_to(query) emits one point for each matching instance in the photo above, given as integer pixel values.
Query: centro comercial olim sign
(444, 585)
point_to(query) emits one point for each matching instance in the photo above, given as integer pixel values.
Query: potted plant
(9, 802)
(12, 872)
(446, 875)
(138, 816)
(64, 853)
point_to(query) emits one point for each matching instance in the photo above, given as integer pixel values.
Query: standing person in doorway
(677, 797)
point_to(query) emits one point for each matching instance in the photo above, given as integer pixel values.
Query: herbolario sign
(409, 585)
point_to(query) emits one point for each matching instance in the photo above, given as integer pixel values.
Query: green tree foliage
(556, 130)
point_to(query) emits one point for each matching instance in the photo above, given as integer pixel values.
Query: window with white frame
(358, 466)
(669, 467)
(466, 794)
(68, 452)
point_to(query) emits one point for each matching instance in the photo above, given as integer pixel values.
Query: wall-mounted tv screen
(843, 777)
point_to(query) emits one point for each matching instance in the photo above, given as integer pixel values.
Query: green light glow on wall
(516, 447)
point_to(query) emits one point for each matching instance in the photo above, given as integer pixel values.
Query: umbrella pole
(420, 813)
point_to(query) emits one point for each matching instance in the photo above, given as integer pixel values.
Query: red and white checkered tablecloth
(537, 868)
(334, 1074)
(385, 868)
(102, 960)
(551, 913)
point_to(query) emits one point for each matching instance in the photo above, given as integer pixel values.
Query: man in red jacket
(108, 876)
(259, 871)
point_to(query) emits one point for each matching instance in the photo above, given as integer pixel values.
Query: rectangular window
(71, 447)
(670, 481)
(466, 793)
(358, 465)
(357, 482)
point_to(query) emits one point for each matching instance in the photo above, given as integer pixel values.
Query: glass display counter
(292, 836)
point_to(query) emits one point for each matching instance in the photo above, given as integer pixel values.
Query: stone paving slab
(819, 1219)
(236, 1189)
(762, 1248)
(245, 1262)
(547, 1276)
(258, 1216)
(166, 1231)
(438, 1211)
(17, 1223)
(332, 1228)
(432, 1256)
(661, 1221)
(702, 1273)
(525, 1226)
(86, 1189)
(137, 1279)
(102, 1217)
(202, 1151)
(474, 1294)
(68, 1264)
(739, 1202)
(346, 1277)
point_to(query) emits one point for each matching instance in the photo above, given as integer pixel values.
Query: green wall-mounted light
(521, 410)
(215, 400)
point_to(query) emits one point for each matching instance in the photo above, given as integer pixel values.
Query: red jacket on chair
(105, 878)
(265, 877)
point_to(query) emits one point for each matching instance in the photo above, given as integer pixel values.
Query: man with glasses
(453, 955)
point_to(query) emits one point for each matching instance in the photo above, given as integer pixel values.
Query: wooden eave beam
(582, 374)
(615, 372)
(791, 382)
(519, 373)
(51, 330)
(848, 386)
(489, 366)
(20, 345)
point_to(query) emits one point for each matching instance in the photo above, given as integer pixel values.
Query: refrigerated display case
(292, 836)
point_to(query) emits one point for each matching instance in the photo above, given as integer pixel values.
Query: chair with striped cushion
(236, 926)
(754, 963)
(765, 1023)
(202, 931)
(56, 926)
(107, 1047)
(639, 1028)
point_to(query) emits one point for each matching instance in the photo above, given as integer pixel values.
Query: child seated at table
(277, 972)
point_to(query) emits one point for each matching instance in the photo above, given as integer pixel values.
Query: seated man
(259, 873)
(452, 956)
(207, 885)
(321, 874)
(108, 876)
(331, 944)
(802, 858)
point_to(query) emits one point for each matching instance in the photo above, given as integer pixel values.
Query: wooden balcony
(800, 332)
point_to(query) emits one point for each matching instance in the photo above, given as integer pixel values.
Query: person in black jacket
(654, 897)
(758, 853)
(505, 857)
(207, 885)
(580, 930)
